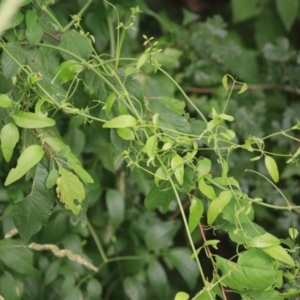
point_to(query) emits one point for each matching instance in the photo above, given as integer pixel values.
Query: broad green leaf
(160, 195)
(9, 137)
(254, 271)
(77, 44)
(34, 34)
(17, 257)
(70, 190)
(279, 253)
(123, 121)
(217, 205)
(5, 101)
(126, 134)
(68, 70)
(9, 66)
(16, 20)
(8, 287)
(243, 89)
(28, 159)
(33, 212)
(288, 11)
(225, 82)
(243, 10)
(179, 258)
(31, 18)
(272, 167)
(263, 241)
(116, 207)
(143, 58)
(177, 167)
(182, 296)
(158, 278)
(196, 212)
(32, 120)
(203, 166)
(206, 189)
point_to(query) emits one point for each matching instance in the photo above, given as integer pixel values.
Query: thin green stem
(97, 242)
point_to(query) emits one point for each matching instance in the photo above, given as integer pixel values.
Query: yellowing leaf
(123, 121)
(272, 167)
(32, 120)
(70, 190)
(29, 158)
(9, 137)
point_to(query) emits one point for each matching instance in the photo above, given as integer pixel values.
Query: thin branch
(251, 87)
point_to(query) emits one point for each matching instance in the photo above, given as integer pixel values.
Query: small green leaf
(68, 70)
(32, 120)
(123, 121)
(9, 137)
(151, 145)
(206, 189)
(279, 253)
(70, 190)
(160, 175)
(109, 103)
(131, 70)
(225, 117)
(52, 178)
(293, 232)
(243, 89)
(28, 159)
(142, 60)
(116, 207)
(225, 82)
(182, 296)
(263, 241)
(126, 134)
(288, 12)
(203, 166)
(255, 158)
(212, 243)
(196, 212)
(177, 167)
(5, 101)
(217, 206)
(272, 167)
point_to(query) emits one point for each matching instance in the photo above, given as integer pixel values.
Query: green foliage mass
(140, 168)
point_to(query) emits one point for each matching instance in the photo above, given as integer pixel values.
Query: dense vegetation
(150, 153)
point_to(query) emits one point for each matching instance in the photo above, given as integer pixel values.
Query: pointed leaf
(177, 167)
(263, 241)
(70, 190)
(225, 82)
(28, 159)
(206, 189)
(288, 12)
(9, 137)
(196, 212)
(123, 121)
(272, 167)
(126, 134)
(217, 206)
(143, 58)
(32, 120)
(33, 212)
(243, 89)
(279, 253)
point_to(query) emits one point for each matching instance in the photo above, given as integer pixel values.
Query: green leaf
(8, 287)
(243, 89)
(70, 190)
(196, 212)
(160, 195)
(182, 296)
(254, 271)
(263, 241)
(217, 206)
(123, 121)
(126, 134)
(243, 10)
(9, 137)
(5, 101)
(75, 43)
(206, 189)
(177, 167)
(68, 70)
(225, 117)
(109, 103)
(17, 257)
(133, 289)
(225, 82)
(32, 120)
(212, 243)
(158, 279)
(16, 20)
(179, 258)
(151, 145)
(51, 179)
(288, 12)
(131, 70)
(9, 67)
(34, 33)
(143, 58)
(293, 233)
(116, 207)
(279, 253)
(203, 166)
(33, 212)
(28, 159)
(272, 167)
(205, 295)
